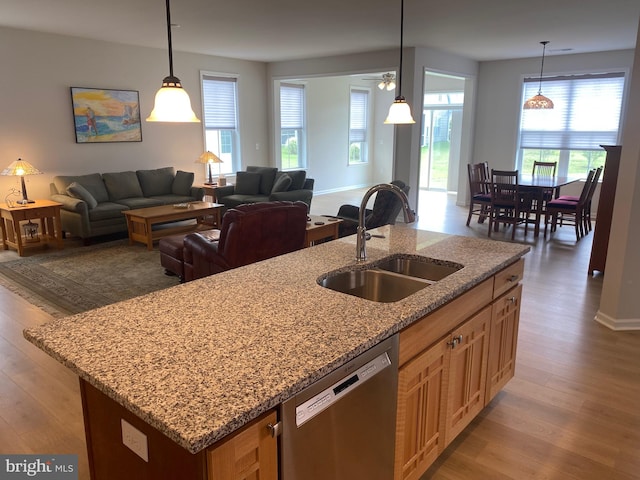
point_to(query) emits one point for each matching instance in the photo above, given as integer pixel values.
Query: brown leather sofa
(249, 233)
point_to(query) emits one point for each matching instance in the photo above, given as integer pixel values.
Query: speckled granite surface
(199, 360)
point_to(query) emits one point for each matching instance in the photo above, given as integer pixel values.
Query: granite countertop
(199, 360)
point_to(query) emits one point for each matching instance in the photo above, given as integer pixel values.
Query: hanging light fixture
(539, 101)
(400, 112)
(172, 103)
(388, 82)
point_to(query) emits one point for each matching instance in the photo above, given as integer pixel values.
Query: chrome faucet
(361, 234)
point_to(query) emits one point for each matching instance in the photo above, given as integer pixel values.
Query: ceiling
(278, 30)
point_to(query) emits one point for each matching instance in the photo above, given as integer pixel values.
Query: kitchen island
(201, 360)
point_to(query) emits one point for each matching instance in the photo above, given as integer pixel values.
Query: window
(586, 114)
(292, 127)
(220, 99)
(358, 127)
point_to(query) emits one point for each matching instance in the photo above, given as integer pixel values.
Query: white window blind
(219, 96)
(586, 112)
(358, 117)
(291, 106)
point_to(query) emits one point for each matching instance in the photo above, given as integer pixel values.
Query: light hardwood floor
(571, 412)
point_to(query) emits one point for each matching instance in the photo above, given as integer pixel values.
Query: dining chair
(571, 210)
(587, 209)
(508, 205)
(480, 195)
(544, 169)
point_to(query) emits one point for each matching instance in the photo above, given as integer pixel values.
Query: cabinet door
(467, 373)
(505, 317)
(250, 454)
(419, 434)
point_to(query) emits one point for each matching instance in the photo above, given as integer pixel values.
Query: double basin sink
(389, 279)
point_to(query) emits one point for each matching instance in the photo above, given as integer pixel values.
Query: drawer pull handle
(513, 278)
(455, 341)
(512, 300)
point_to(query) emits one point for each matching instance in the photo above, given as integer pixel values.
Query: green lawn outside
(439, 168)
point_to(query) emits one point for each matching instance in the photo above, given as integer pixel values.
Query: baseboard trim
(624, 324)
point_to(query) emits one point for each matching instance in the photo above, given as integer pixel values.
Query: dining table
(536, 186)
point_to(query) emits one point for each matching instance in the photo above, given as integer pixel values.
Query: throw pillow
(297, 179)
(78, 191)
(182, 183)
(247, 183)
(282, 184)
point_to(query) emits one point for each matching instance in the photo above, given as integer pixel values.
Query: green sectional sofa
(92, 204)
(266, 184)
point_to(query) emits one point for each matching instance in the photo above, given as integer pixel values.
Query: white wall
(499, 102)
(37, 123)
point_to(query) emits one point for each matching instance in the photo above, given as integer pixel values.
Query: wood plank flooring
(571, 412)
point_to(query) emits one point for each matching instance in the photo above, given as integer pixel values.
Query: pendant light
(172, 103)
(400, 112)
(539, 101)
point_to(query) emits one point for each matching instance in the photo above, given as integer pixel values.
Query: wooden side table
(210, 190)
(46, 212)
(321, 228)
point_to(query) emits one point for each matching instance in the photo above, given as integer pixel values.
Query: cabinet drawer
(428, 330)
(508, 278)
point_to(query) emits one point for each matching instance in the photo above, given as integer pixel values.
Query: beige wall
(36, 123)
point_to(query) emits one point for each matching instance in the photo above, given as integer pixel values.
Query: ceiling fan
(387, 81)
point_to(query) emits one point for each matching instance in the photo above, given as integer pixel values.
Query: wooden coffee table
(140, 222)
(321, 228)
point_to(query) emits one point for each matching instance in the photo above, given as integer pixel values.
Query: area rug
(74, 280)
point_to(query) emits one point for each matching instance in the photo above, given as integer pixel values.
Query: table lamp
(21, 168)
(209, 158)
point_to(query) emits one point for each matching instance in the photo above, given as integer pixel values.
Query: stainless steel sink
(390, 279)
(420, 267)
(375, 285)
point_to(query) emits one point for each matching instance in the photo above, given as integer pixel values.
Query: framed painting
(102, 115)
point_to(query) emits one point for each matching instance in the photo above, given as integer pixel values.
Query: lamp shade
(399, 113)
(209, 157)
(20, 167)
(172, 104)
(538, 101)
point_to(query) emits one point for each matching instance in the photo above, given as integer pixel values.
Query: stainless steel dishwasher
(343, 426)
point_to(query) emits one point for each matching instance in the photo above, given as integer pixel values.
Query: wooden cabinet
(250, 453)
(446, 377)
(605, 209)
(467, 373)
(419, 428)
(505, 318)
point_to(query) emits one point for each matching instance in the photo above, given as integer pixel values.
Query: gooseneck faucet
(361, 233)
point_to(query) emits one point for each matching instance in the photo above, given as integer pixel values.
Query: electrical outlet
(135, 440)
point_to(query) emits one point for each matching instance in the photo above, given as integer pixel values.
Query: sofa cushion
(78, 191)
(297, 179)
(247, 183)
(155, 182)
(140, 202)
(182, 183)
(122, 185)
(282, 184)
(107, 210)
(93, 183)
(268, 177)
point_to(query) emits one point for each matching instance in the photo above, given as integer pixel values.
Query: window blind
(586, 112)
(291, 106)
(358, 116)
(219, 96)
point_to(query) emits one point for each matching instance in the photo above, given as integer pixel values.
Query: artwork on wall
(102, 115)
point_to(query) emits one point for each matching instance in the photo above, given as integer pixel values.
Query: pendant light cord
(169, 37)
(401, 37)
(544, 47)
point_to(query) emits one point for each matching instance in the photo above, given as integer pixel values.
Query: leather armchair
(249, 233)
(386, 208)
